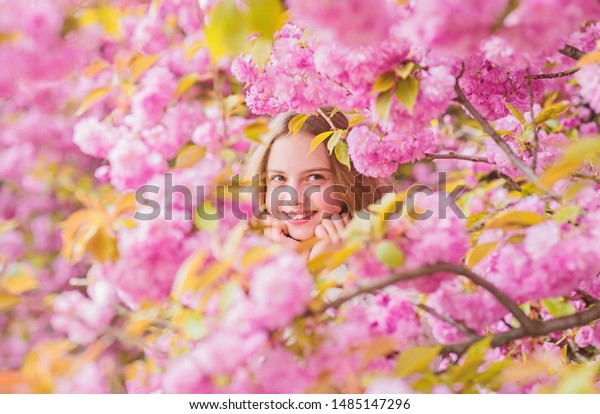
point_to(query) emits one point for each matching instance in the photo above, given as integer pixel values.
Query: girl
(303, 193)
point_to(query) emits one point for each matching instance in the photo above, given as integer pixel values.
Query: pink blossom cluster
(354, 23)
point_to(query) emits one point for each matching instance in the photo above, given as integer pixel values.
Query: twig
(450, 320)
(536, 139)
(507, 302)
(587, 176)
(329, 121)
(553, 325)
(454, 156)
(589, 298)
(527, 172)
(572, 52)
(515, 186)
(554, 75)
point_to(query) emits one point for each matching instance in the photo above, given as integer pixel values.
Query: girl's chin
(302, 232)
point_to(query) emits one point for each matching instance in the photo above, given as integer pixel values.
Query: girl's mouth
(298, 218)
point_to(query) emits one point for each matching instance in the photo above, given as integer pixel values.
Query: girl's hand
(330, 234)
(277, 231)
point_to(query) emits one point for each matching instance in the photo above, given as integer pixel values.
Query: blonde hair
(366, 190)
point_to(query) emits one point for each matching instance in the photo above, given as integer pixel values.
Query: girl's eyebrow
(303, 172)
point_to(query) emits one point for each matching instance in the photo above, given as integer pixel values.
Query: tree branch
(454, 156)
(450, 320)
(507, 302)
(553, 325)
(536, 139)
(572, 52)
(327, 118)
(527, 172)
(554, 75)
(587, 176)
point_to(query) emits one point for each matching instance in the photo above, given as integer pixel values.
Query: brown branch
(554, 75)
(329, 121)
(587, 176)
(527, 172)
(450, 320)
(454, 156)
(536, 139)
(544, 328)
(507, 302)
(572, 52)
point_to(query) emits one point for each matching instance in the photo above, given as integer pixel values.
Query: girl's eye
(277, 178)
(315, 177)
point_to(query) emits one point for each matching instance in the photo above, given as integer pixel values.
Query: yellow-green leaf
(296, 123)
(573, 158)
(558, 307)
(189, 155)
(227, 30)
(552, 112)
(405, 70)
(260, 52)
(18, 279)
(332, 142)
(407, 91)
(516, 113)
(589, 58)
(384, 82)
(477, 253)
(355, 120)
(383, 104)
(416, 359)
(319, 139)
(514, 220)
(185, 84)
(265, 16)
(388, 253)
(256, 129)
(91, 99)
(141, 64)
(341, 153)
(8, 301)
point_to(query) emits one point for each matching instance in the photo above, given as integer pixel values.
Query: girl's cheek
(325, 202)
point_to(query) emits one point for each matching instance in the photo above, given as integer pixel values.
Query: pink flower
(280, 290)
(584, 337)
(95, 138)
(354, 22)
(133, 163)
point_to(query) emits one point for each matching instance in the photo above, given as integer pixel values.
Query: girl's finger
(340, 226)
(320, 232)
(332, 232)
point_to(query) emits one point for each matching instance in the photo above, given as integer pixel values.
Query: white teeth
(295, 216)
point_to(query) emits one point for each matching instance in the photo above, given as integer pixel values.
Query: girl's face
(297, 183)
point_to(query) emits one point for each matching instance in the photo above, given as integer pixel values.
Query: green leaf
(227, 30)
(405, 70)
(296, 123)
(383, 104)
(355, 120)
(332, 142)
(341, 153)
(384, 82)
(407, 91)
(388, 253)
(477, 253)
(574, 156)
(319, 139)
(558, 307)
(416, 359)
(552, 112)
(260, 52)
(516, 113)
(264, 16)
(473, 359)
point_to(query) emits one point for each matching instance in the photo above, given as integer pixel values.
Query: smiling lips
(298, 217)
